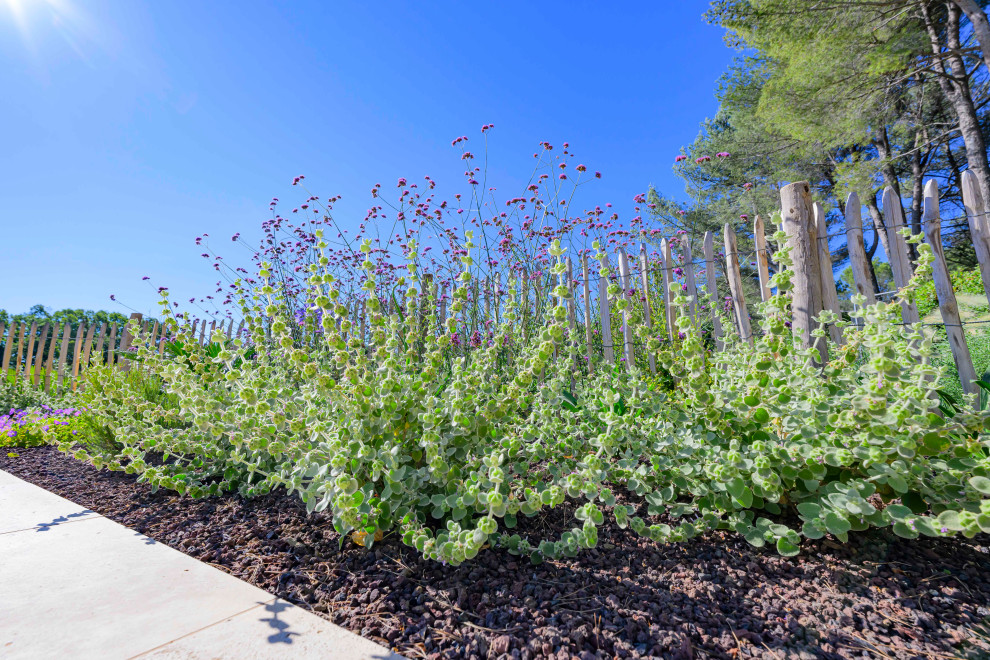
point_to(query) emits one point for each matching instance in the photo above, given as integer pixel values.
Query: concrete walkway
(74, 584)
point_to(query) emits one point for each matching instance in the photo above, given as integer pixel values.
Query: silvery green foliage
(399, 431)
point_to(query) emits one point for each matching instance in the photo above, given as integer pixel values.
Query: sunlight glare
(33, 18)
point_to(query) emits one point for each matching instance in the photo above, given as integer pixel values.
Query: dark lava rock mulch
(713, 597)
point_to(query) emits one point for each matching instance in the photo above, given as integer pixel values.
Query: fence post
(857, 249)
(30, 350)
(709, 248)
(154, 333)
(39, 360)
(50, 362)
(797, 222)
(63, 350)
(571, 309)
(524, 299)
(899, 261)
(946, 296)
(692, 287)
(667, 264)
(572, 313)
(736, 285)
(8, 346)
(488, 298)
(76, 352)
(112, 345)
(587, 309)
(88, 346)
(762, 266)
(830, 297)
(605, 313)
(979, 225)
(127, 338)
(16, 368)
(647, 308)
(427, 312)
(627, 336)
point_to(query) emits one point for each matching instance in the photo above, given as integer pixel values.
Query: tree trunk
(917, 196)
(981, 26)
(882, 143)
(953, 167)
(954, 82)
(871, 204)
(870, 251)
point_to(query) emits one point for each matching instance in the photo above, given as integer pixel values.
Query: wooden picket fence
(813, 281)
(51, 358)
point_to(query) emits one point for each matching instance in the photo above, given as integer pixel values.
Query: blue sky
(130, 128)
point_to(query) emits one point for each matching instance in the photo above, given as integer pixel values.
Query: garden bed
(715, 596)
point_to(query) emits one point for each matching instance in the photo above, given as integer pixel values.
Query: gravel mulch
(713, 597)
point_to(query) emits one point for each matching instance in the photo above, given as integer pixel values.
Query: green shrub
(33, 428)
(16, 394)
(963, 281)
(396, 431)
(978, 341)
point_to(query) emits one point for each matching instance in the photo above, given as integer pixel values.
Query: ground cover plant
(34, 427)
(427, 427)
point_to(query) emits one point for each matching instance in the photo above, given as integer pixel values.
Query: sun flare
(42, 21)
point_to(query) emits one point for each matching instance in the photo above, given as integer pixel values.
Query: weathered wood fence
(814, 287)
(54, 357)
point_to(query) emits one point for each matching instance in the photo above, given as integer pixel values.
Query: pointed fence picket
(666, 263)
(712, 289)
(647, 310)
(900, 261)
(830, 297)
(736, 285)
(857, 249)
(762, 268)
(946, 295)
(979, 225)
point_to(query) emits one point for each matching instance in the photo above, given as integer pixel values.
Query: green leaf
(948, 398)
(736, 487)
(897, 482)
(745, 499)
(755, 537)
(981, 484)
(950, 520)
(836, 524)
(569, 401)
(787, 548)
(915, 502)
(902, 529)
(897, 511)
